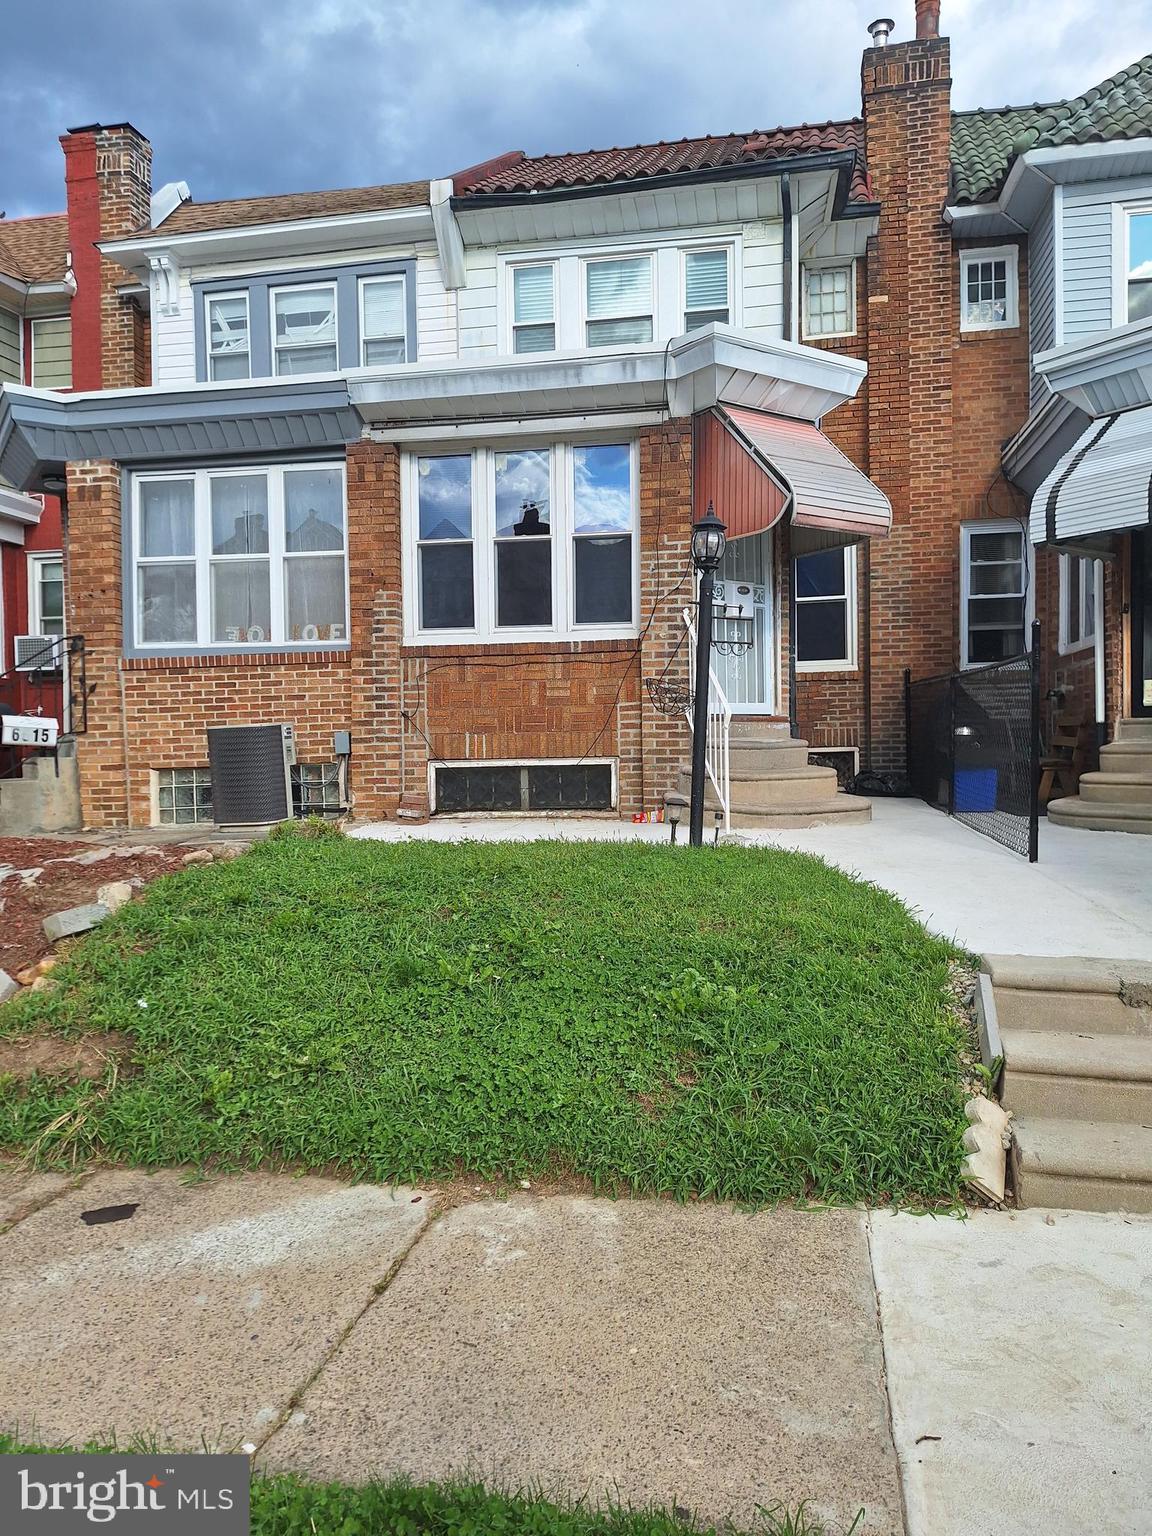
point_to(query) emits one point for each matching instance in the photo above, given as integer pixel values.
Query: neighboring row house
(413, 468)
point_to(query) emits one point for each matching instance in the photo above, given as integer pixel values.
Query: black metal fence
(973, 743)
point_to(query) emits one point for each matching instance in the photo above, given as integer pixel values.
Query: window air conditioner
(251, 773)
(38, 653)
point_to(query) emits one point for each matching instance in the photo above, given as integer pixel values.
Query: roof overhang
(1101, 485)
(714, 365)
(42, 430)
(1033, 175)
(388, 226)
(17, 512)
(1110, 371)
(1047, 434)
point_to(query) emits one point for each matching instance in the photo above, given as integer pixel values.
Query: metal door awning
(1102, 484)
(756, 468)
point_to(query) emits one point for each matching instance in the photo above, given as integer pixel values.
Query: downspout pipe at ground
(786, 332)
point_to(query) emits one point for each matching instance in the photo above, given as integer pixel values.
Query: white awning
(1102, 484)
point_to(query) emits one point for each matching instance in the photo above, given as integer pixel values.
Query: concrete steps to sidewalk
(1118, 798)
(773, 784)
(1076, 1036)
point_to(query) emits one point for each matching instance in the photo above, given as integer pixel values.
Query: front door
(745, 579)
(1142, 623)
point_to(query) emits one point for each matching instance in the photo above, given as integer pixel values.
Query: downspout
(1098, 660)
(786, 334)
(786, 216)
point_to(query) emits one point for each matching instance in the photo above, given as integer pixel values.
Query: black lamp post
(707, 548)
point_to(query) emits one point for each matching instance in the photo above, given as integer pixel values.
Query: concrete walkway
(988, 1376)
(1090, 893)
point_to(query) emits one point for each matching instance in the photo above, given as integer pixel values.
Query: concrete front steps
(1119, 797)
(774, 785)
(1076, 1035)
(45, 797)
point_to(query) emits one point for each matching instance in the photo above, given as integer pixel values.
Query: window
(534, 308)
(383, 319)
(826, 610)
(45, 594)
(994, 592)
(1077, 602)
(317, 789)
(240, 557)
(1139, 274)
(705, 288)
(304, 329)
(183, 796)
(52, 353)
(988, 298)
(618, 301)
(229, 346)
(547, 786)
(537, 539)
(829, 301)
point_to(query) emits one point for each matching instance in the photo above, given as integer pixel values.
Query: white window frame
(850, 662)
(364, 338)
(570, 291)
(509, 284)
(1122, 216)
(1010, 256)
(703, 250)
(209, 300)
(828, 264)
(36, 559)
(278, 558)
(1089, 584)
(294, 346)
(30, 362)
(1002, 525)
(598, 258)
(562, 537)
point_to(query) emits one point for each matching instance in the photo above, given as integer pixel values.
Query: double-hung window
(994, 581)
(536, 540)
(383, 319)
(826, 610)
(304, 329)
(1077, 602)
(534, 307)
(618, 300)
(229, 336)
(240, 557)
(45, 594)
(988, 289)
(706, 288)
(1139, 266)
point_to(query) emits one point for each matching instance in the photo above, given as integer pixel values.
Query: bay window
(383, 319)
(705, 288)
(618, 300)
(535, 540)
(304, 329)
(534, 307)
(229, 347)
(994, 592)
(240, 557)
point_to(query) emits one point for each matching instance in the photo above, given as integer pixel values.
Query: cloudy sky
(240, 97)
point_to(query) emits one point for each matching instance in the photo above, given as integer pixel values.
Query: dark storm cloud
(242, 98)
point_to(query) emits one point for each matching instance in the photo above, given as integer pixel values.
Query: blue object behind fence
(975, 789)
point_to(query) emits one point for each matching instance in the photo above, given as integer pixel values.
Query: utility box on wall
(251, 773)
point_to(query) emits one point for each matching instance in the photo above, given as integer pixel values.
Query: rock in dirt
(198, 856)
(9, 986)
(114, 895)
(61, 925)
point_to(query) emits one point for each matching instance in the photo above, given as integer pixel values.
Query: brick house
(413, 468)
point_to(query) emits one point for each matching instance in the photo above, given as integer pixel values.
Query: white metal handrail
(718, 751)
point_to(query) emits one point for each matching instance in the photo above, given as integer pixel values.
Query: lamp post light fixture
(707, 550)
(674, 807)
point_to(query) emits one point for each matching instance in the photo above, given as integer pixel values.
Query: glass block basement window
(524, 787)
(184, 796)
(316, 789)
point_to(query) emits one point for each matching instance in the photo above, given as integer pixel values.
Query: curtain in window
(619, 301)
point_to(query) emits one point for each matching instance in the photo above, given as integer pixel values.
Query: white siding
(477, 304)
(435, 310)
(763, 279)
(1041, 294)
(174, 339)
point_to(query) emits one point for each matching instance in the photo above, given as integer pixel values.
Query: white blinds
(384, 307)
(532, 295)
(619, 287)
(706, 280)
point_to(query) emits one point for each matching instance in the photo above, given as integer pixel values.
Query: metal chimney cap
(880, 30)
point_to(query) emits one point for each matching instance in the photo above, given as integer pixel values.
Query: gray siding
(1088, 256)
(9, 348)
(1041, 294)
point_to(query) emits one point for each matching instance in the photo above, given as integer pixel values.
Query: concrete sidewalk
(696, 1356)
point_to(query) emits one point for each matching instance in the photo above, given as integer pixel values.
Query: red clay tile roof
(35, 250)
(546, 173)
(197, 218)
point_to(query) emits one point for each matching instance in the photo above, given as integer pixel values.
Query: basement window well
(523, 787)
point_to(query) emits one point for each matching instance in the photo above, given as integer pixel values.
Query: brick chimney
(909, 305)
(108, 177)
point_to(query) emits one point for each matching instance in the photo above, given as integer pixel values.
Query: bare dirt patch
(85, 1058)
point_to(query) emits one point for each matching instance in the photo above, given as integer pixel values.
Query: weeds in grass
(743, 1023)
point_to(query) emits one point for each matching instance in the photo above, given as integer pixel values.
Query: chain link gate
(973, 746)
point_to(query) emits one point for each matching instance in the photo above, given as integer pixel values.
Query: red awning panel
(754, 467)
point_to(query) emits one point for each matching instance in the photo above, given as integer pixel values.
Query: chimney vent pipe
(880, 31)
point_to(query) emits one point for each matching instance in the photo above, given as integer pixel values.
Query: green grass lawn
(736, 1022)
(292, 1506)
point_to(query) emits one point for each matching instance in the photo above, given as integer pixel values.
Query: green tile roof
(986, 141)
